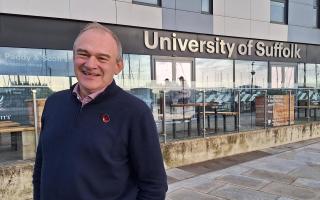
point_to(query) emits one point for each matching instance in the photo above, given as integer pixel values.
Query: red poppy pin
(105, 118)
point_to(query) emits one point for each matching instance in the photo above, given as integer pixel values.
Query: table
(197, 106)
(22, 138)
(314, 107)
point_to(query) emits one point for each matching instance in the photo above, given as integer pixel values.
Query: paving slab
(310, 171)
(196, 169)
(237, 193)
(171, 180)
(271, 176)
(204, 185)
(179, 174)
(243, 181)
(181, 184)
(302, 156)
(312, 149)
(274, 164)
(235, 170)
(284, 198)
(308, 183)
(290, 191)
(291, 174)
(185, 194)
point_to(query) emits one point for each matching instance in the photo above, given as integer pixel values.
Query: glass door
(170, 70)
(283, 75)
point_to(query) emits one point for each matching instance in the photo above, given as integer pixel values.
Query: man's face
(95, 60)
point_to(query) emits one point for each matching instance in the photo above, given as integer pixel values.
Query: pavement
(287, 172)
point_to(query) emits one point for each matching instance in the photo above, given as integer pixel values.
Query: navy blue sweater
(82, 157)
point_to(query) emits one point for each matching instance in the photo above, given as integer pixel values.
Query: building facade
(216, 46)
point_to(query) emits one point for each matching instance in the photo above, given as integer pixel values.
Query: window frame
(286, 11)
(210, 12)
(317, 25)
(139, 2)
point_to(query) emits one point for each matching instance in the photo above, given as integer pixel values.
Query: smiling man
(97, 141)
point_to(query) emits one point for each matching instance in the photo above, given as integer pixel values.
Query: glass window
(283, 75)
(206, 6)
(312, 71)
(136, 71)
(36, 67)
(150, 2)
(23, 70)
(278, 11)
(211, 73)
(315, 13)
(251, 73)
(301, 76)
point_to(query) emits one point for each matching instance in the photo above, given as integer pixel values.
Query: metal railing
(179, 114)
(216, 111)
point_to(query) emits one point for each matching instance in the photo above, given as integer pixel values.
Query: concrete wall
(186, 152)
(15, 178)
(239, 18)
(107, 11)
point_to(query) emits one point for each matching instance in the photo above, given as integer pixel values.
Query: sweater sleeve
(146, 159)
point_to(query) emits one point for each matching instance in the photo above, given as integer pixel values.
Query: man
(97, 141)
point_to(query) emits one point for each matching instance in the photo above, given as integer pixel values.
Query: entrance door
(171, 69)
(283, 75)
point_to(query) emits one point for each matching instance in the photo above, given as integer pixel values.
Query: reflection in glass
(282, 75)
(277, 11)
(288, 81)
(205, 6)
(315, 13)
(301, 75)
(163, 72)
(42, 62)
(311, 74)
(36, 67)
(155, 2)
(183, 69)
(136, 71)
(247, 71)
(212, 73)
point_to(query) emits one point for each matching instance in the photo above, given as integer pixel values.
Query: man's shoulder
(59, 96)
(132, 101)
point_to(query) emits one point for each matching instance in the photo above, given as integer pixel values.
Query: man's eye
(82, 55)
(103, 59)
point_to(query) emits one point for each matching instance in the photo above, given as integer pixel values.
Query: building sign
(23, 31)
(222, 46)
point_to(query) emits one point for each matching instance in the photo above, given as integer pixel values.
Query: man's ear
(119, 66)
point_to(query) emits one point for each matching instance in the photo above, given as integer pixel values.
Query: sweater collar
(110, 90)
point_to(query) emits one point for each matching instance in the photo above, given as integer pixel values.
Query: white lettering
(296, 51)
(155, 40)
(250, 47)
(210, 47)
(183, 45)
(164, 40)
(242, 49)
(230, 48)
(193, 46)
(260, 49)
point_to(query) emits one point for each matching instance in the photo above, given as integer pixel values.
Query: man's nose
(91, 62)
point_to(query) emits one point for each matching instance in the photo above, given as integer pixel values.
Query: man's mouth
(89, 73)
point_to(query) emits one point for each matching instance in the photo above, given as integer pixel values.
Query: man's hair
(96, 25)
